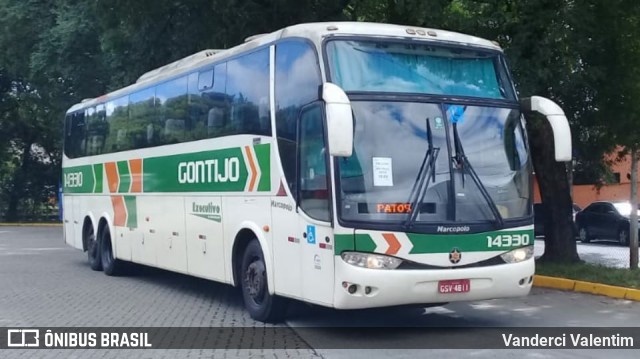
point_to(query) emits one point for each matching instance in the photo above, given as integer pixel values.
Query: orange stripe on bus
(112, 176)
(135, 167)
(254, 172)
(394, 243)
(119, 211)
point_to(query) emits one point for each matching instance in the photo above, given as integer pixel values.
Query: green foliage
(582, 54)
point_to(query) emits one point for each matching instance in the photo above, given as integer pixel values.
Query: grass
(591, 273)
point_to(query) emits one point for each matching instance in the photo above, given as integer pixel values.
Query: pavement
(47, 284)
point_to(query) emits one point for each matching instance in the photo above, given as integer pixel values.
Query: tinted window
(248, 92)
(142, 130)
(96, 131)
(209, 109)
(205, 80)
(297, 84)
(75, 131)
(117, 118)
(172, 116)
(226, 99)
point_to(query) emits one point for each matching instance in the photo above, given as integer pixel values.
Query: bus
(347, 165)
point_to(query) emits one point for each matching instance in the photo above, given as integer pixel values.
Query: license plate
(454, 286)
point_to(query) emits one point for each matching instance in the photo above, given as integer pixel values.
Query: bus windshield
(409, 67)
(391, 143)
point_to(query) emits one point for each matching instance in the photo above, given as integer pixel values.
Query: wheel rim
(623, 237)
(583, 234)
(255, 281)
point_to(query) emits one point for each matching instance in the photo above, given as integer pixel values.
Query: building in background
(617, 190)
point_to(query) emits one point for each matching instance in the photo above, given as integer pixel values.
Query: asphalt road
(44, 283)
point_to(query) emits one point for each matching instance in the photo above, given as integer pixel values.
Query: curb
(31, 224)
(587, 287)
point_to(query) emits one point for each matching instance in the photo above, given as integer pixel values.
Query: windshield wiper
(427, 171)
(462, 162)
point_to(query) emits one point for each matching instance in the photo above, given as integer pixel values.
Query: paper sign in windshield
(382, 172)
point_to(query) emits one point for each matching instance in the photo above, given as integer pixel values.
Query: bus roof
(313, 31)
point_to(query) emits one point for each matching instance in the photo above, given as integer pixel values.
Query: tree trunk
(559, 237)
(570, 177)
(633, 218)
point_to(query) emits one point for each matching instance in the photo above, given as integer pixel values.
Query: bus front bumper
(381, 288)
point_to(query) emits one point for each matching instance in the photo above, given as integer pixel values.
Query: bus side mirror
(339, 120)
(557, 120)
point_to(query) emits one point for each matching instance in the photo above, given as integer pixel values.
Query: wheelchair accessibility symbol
(311, 234)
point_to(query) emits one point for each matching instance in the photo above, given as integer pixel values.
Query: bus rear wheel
(110, 265)
(260, 304)
(93, 249)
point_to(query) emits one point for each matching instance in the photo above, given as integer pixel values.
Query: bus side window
(297, 79)
(75, 140)
(314, 190)
(96, 131)
(247, 89)
(208, 104)
(117, 118)
(171, 113)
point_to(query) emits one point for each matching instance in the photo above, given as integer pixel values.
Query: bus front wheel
(260, 304)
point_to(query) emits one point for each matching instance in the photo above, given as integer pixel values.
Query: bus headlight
(371, 261)
(518, 255)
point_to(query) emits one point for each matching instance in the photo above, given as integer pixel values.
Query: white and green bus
(348, 165)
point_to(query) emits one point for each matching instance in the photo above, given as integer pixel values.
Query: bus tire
(255, 292)
(110, 265)
(93, 249)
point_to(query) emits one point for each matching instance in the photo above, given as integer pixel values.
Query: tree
(29, 126)
(618, 53)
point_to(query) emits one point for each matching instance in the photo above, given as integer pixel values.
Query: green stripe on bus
(364, 242)
(97, 175)
(78, 179)
(477, 242)
(263, 156)
(343, 242)
(125, 176)
(206, 171)
(132, 211)
(444, 243)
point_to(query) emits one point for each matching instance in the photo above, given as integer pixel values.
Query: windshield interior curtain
(358, 68)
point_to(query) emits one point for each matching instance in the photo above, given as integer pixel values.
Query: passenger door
(314, 207)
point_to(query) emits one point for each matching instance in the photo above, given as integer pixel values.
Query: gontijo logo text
(209, 171)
